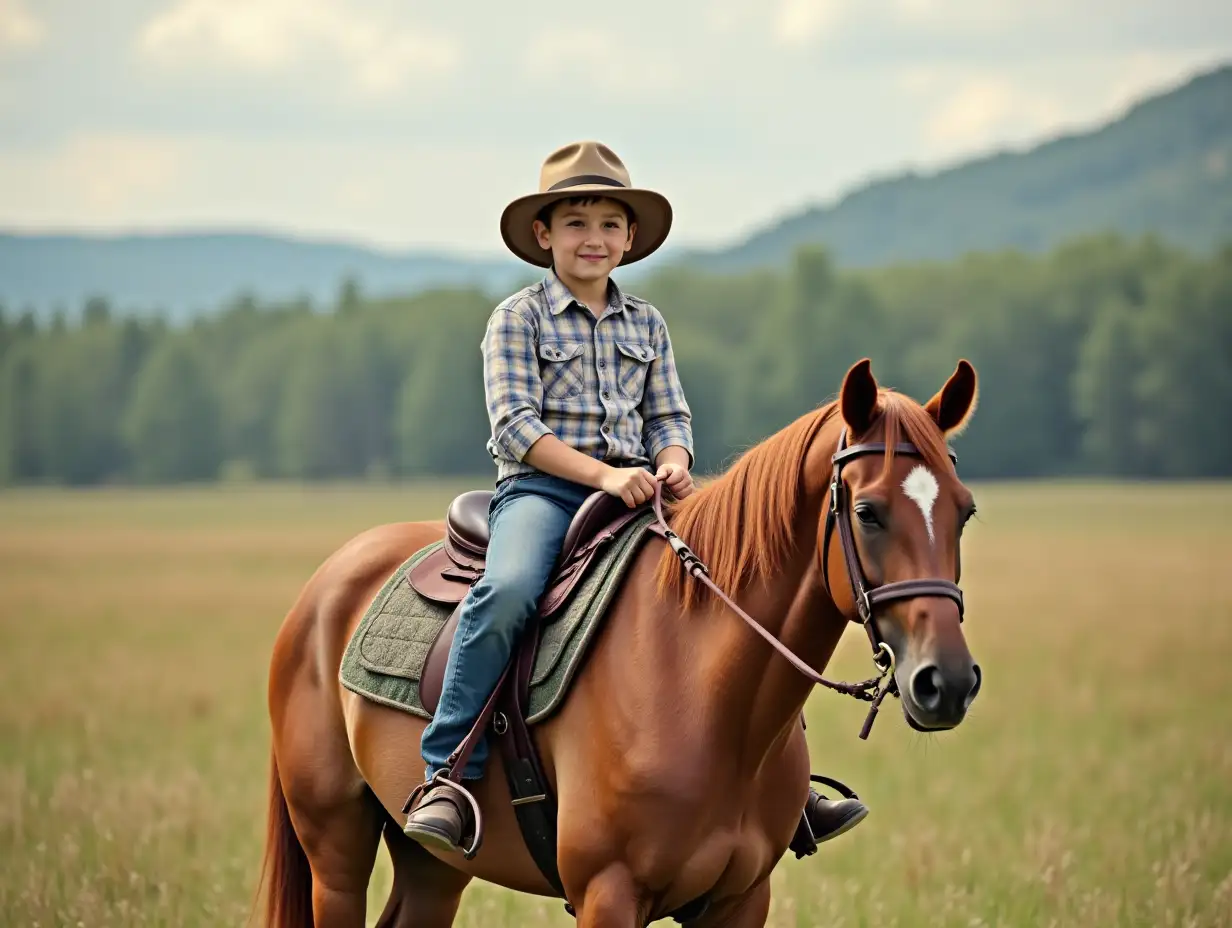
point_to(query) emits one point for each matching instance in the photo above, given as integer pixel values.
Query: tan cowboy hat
(585, 169)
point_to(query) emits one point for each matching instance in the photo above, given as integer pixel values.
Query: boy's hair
(545, 214)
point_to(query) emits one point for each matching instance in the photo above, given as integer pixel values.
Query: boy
(582, 394)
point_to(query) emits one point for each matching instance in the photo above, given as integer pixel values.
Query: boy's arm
(512, 389)
(672, 454)
(553, 456)
(667, 429)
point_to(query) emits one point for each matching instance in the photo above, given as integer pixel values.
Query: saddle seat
(466, 522)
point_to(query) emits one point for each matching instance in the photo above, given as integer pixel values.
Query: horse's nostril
(978, 678)
(926, 684)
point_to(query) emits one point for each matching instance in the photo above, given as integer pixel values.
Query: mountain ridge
(1150, 170)
(1163, 166)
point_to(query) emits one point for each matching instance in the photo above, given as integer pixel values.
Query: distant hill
(1165, 167)
(187, 273)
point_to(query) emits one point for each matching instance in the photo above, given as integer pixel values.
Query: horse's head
(902, 509)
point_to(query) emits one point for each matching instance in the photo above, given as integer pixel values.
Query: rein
(867, 598)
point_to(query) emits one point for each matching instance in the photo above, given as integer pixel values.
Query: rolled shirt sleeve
(666, 417)
(513, 391)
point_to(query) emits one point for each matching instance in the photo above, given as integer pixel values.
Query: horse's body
(678, 759)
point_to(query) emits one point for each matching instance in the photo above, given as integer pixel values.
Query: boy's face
(587, 240)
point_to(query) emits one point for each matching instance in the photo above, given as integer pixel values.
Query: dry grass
(1091, 786)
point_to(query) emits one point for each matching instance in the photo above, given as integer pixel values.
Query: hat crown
(582, 162)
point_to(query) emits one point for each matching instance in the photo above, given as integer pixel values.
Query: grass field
(1092, 785)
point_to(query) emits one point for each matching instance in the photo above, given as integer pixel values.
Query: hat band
(580, 179)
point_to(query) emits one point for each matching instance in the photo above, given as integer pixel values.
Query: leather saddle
(445, 575)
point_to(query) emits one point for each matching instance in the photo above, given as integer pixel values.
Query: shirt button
(606, 429)
(602, 365)
(607, 394)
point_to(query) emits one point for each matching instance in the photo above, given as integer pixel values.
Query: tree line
(1104, 357)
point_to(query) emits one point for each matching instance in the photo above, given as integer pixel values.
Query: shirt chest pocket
(634, 358)
(561, 369)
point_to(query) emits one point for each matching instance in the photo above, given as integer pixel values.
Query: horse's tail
(285, 874)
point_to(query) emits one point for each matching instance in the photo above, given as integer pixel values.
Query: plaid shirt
(606, 387)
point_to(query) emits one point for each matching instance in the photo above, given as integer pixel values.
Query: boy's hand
(677, 478)
(632, 484)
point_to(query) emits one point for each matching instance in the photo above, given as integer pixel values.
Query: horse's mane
(741, 524)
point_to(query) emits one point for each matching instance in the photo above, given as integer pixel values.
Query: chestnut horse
(678, 759)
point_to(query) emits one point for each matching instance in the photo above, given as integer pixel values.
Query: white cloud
(985, 110)
(344, 116)
(799, 22)
(969, 114)
(402, 193)
(18, 26)
(916, 9)
(108, 174)
(956, 16)
(581, 61)
(270, 35)
(966, 110)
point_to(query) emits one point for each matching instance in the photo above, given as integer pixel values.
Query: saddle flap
(601, 530)
(432, 681)
(441, 578)
(599, 510)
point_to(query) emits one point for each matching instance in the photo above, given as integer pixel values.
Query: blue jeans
(528, 520)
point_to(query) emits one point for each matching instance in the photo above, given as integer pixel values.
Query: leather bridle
(867, 598)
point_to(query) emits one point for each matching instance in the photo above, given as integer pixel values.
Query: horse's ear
(858, 398)
(954, 405)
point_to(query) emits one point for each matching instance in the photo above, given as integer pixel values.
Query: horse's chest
(726, 860)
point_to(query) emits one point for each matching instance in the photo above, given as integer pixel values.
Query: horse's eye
(970, 513)
(867, 514)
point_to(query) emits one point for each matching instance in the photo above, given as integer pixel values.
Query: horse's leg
(336, 816)
(426, 892)
(749, 911)
(339, 835)
(612, 900)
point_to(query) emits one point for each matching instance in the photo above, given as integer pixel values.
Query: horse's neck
(760, 694)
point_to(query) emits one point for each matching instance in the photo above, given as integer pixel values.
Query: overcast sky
(404, 123)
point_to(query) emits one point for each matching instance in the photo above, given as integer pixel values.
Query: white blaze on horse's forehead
(922, 487)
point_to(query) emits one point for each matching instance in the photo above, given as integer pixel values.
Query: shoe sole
(430, 838)
(842, 829)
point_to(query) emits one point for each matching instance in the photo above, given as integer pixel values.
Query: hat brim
(652, 211)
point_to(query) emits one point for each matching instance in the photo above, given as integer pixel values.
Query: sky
(406, 124)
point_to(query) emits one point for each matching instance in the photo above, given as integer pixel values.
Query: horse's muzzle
(937, 697)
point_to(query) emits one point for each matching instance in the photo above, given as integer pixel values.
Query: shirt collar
(559, 297)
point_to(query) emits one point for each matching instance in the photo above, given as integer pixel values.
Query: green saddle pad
(385, 656)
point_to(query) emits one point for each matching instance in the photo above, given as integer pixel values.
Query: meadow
(1091, 785)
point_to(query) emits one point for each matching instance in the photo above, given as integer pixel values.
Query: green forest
(1107, 356)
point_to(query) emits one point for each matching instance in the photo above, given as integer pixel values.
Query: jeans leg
(527, 530)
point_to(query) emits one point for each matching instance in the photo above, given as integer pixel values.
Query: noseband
(867, 598)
